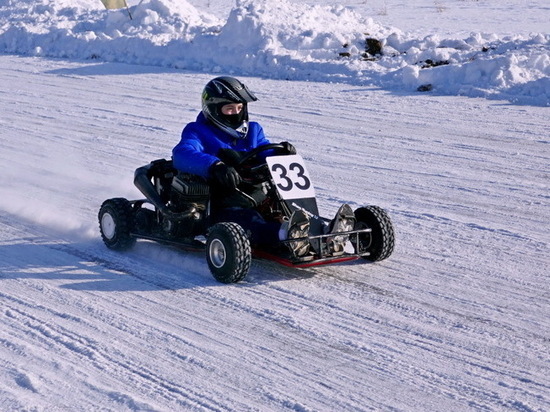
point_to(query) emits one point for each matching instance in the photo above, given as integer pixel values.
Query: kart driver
(203, 150)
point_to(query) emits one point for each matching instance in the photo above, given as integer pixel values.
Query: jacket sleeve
(259, 135)
(189, 155)
(260, 140)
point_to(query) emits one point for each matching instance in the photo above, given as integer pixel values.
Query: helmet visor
(231, 90)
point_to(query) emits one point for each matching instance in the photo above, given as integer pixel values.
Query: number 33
(298, 177)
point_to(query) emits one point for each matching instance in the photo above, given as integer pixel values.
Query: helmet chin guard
(226, 90)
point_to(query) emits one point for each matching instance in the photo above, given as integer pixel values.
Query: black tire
(116, 220)
(380, 242)
(228, 252)
(144, 220)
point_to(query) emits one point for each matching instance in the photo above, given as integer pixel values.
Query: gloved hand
(289, 147)
(225, 175)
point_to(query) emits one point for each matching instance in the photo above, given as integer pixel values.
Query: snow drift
(282, 40)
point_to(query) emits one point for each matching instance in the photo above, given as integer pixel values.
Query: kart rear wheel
(116, 220)
(228, 252)
(380, 242)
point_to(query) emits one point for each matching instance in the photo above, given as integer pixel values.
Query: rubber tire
(381, 241)
(116, 220)
(228, 252)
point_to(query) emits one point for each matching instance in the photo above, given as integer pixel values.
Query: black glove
(229, 156)
(225, 175)
(289, 148)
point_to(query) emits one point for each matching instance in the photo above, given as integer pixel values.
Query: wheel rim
(108, 226)
(365, 239)
(217, 253)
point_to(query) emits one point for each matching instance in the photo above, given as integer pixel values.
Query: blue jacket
(201, 141)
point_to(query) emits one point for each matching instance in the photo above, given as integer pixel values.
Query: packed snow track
(457, 319)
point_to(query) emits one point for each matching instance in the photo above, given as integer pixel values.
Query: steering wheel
(254, 171)
(260, 149)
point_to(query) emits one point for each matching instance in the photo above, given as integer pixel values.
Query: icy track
(456, 320)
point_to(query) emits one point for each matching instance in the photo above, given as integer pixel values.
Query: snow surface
(457, 319)
(290, 40)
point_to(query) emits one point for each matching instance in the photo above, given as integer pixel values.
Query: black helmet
(226, 90)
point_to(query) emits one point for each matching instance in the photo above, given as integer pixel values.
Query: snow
(314, 42)
(456, 319)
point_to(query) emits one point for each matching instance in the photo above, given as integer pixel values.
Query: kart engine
(189, 196)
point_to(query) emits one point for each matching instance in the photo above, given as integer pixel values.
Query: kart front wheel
(228, 252)
(116, 220)
(379, 243)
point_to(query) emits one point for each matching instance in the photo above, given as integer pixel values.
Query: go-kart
(177, 210)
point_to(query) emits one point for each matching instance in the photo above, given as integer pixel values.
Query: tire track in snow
(83, 349)
(455, 320)
(286, 306)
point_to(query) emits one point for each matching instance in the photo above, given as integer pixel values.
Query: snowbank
(282, 40)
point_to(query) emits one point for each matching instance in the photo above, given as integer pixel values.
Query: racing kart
(177, 210)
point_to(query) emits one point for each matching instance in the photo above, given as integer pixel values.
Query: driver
(221, 125)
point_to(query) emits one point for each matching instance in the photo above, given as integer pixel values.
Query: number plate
(291, 177)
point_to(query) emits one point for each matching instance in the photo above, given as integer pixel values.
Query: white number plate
(290, 176)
